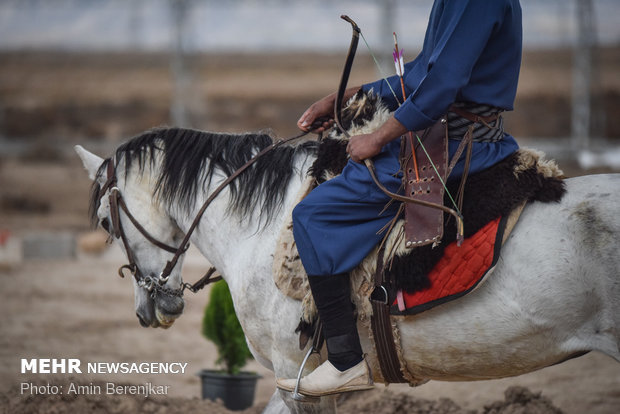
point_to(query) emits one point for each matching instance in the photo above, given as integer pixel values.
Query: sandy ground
(81, 309)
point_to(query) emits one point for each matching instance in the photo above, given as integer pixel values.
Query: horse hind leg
(599, 241)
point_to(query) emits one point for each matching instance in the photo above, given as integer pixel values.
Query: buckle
(380, 294)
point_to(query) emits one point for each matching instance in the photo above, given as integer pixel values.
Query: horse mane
(190, 159)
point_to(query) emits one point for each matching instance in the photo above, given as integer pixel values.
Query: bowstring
(384, 77)
(438, 175)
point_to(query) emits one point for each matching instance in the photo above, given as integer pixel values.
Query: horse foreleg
(276, 405)
(325, 405)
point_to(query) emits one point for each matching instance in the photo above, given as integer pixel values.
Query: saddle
(413, 274)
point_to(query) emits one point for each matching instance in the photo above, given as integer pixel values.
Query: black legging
(332, 295)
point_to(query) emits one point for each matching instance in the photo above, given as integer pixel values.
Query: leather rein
(157, 284)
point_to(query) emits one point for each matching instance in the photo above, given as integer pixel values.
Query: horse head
(122, 203)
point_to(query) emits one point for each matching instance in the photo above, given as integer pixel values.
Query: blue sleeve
(455, 39)
(386, 92)
(463, 31)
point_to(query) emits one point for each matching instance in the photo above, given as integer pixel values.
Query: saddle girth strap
(381, 324)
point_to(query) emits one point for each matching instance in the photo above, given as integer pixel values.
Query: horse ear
(91, 161)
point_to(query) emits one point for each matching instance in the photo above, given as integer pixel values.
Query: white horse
(554, 294)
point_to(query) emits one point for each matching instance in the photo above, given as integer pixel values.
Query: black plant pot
(236, 391)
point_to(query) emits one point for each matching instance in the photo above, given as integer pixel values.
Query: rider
(470, 58)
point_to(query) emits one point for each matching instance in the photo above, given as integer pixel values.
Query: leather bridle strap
(117, 199)
(117, 203)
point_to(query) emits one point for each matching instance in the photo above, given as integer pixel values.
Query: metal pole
(180, 77)
(387, 26)
(582, 76)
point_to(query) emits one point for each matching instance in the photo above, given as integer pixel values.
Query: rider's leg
(345, 368)
(332, 296)
(335, 227)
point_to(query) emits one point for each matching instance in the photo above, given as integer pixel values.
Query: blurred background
(97, 72)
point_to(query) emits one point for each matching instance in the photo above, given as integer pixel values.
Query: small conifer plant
(221, 326)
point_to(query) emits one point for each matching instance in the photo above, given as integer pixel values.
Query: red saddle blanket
(458, 272)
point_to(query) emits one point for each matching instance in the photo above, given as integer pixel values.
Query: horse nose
(142, 321)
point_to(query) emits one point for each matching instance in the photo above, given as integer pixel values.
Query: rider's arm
(450, 55)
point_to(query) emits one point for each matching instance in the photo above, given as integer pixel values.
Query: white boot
(327, 379)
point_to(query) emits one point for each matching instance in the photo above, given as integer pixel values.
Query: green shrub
(221, 326)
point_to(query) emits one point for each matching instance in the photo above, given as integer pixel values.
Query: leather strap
(117, 203)
(185, 243)
(120, 203)
(473, 117)
(381, 324)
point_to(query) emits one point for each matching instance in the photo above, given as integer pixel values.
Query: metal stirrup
(296, 395)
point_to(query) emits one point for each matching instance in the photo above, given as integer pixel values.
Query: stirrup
(297, 396)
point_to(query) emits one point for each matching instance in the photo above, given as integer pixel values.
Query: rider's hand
(323, 108)
(320, 115)
(365, 146)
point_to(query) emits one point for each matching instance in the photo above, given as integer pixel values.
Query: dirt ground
(81, 309)
(78, 308)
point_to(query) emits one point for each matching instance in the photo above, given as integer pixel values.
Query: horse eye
(105, 224)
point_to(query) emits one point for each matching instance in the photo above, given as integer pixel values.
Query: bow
(344, 79)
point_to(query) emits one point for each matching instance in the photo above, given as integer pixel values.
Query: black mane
(190, 158)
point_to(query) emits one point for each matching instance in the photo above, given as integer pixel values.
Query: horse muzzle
(168, 309)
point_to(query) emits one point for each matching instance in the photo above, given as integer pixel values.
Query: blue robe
(471, 53)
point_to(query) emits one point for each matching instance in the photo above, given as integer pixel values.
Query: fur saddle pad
(426, 276)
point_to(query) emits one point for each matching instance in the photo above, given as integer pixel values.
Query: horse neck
(239, 247)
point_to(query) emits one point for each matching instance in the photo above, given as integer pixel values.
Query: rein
(205, 280)
(156, 284)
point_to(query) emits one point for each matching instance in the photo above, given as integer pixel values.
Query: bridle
(115, 229)
(157, 284)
